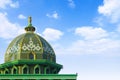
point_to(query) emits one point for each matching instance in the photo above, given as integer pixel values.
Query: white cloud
(53, 15)
(52, 34)
(21, 16)
(14, 4)
(93, 41)
(5, 3)
(71, 3)
(110, 9)
(8, 30)
(102, 46)
(91, 33)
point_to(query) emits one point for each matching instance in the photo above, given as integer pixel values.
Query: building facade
(31, 57)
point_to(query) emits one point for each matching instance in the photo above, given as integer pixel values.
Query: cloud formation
(110, 9)
(9, 30)
(95, 41)
(92, 40)
(53, 15)
(52, 34)
(88, 32)
(5, 3)
(21, 16)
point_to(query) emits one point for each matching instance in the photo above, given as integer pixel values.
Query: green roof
(29, 62)
(40, 76)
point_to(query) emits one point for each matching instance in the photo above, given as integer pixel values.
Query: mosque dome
(29, 46)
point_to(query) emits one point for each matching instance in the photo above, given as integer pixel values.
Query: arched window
(47, 71)
(44, 56)
(25, 70)
(6, 72)
(31, 56)
(37, 70)
(14, 71)
(48, 57)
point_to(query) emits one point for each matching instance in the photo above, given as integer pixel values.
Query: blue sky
(85, 34)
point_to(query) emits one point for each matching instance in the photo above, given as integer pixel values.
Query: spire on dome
(30, 28)
(29, 20)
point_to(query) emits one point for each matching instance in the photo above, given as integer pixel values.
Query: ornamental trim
(13, 49)
(31, 46)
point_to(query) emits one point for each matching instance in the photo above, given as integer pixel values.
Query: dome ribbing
(29, 46)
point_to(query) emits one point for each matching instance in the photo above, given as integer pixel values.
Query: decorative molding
(31, 46)
(13, 49)
(48, 50)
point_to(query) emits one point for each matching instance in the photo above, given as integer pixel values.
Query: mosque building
(31, 57)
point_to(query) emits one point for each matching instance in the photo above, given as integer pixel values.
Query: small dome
(29, 46)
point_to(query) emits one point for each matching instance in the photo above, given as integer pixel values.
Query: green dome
(29, 46)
